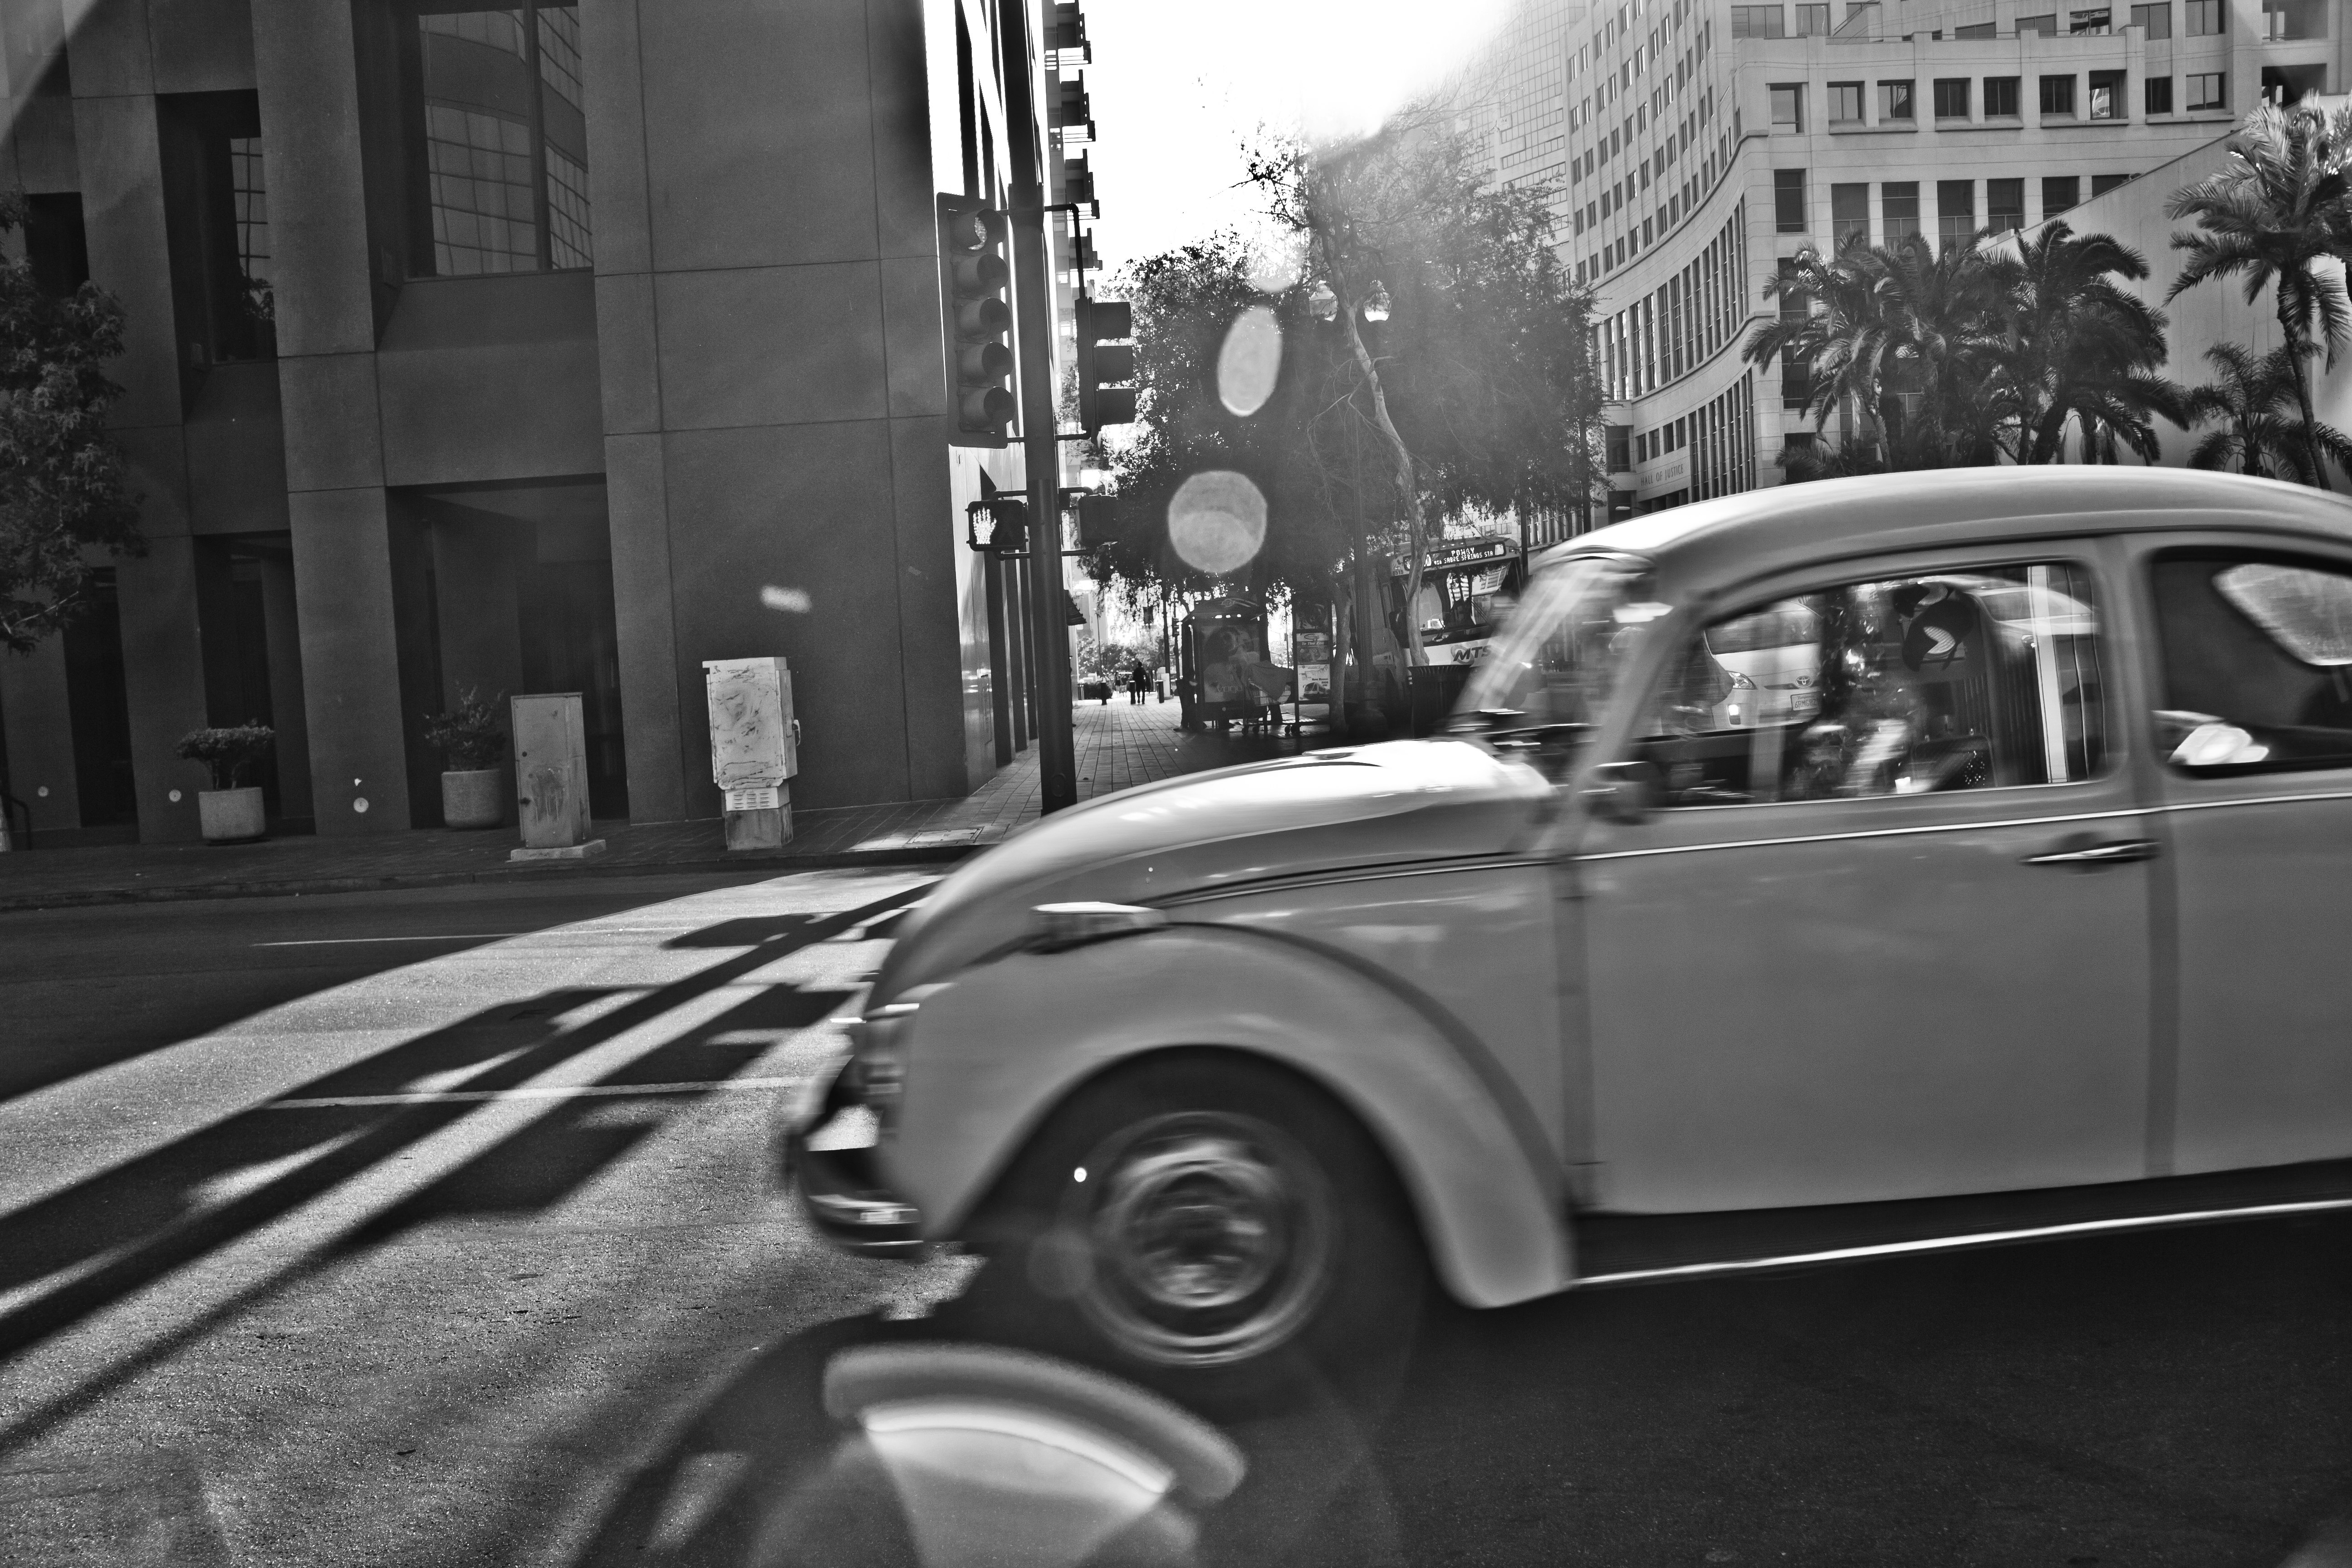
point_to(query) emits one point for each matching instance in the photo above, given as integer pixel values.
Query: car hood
(1361, 805)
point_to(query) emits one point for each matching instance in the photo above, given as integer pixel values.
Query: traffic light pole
(1057, 760)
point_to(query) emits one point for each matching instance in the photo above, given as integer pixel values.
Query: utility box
(550, 748)
(755, 748)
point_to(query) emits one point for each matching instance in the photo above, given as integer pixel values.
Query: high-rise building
(1697, 147)
(530, 347)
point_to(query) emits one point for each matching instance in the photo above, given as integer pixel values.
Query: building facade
(544, 347)
(1696, 147)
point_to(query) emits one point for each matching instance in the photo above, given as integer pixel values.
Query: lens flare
(1251, 360)
(1217, 521)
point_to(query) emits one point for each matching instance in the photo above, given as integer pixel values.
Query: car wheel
(1204, 1223)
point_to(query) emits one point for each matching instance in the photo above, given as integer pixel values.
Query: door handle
(2113, 852)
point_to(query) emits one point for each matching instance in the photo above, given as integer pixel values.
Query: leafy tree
(63, 491)
(1914, 339)
(2274, 211)
(2253, 403)
(1434, 364)
(2081, 349)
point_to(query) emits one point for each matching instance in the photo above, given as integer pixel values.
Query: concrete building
(550, 347)
(1697, 146)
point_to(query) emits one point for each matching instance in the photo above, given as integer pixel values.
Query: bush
(228, 754)
(469, 737)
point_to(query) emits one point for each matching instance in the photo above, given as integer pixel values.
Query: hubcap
(1212, 1238)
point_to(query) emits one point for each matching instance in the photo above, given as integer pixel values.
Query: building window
(2059, 192)
(2102, 184)
(2208, 91)
(2057, 97)
(1976, 30)
(1845, 103)
(2000, 96)
(1849, 215)
(2004, 205)
(1758, 22)
(216, 229)
(2286, 21)
(2045, 24)
(1787, 106)
(2098, 21)
(1813, 20)
(1894, 101)
(1898, 210)
(2284, 85)
(2107, 88)
(2154, 20)
(1956, 213)
(1789, 201)
(2156, 94)
(504, 159)
(2204, 17)
(1951, 98)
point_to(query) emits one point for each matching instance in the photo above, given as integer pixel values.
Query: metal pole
(1058, 768)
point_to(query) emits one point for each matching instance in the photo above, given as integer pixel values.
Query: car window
(1968, 680)
(1562, 651)
(2257, 657)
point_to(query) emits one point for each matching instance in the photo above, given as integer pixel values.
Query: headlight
(878, 1053)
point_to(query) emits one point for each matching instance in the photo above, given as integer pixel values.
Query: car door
(2253, 645)
(1887, 934)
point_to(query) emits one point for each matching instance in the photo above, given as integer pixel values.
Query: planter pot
(229, 816)
(474, 798)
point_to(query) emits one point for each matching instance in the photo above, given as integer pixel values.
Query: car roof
(1708, 543)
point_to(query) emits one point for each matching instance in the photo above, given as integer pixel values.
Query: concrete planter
(230, 815)
(474, 798)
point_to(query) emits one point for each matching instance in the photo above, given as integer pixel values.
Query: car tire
(1213, 1228)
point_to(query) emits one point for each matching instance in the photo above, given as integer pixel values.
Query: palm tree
(2081, 349)
(2274, 211)
(2253, 403)
(1912, 337)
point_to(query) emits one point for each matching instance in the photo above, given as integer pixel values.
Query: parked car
(2015, 906)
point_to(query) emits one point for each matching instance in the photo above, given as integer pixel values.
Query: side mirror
(1624, 791)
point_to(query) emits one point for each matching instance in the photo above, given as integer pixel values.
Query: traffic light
(974, 283)
(1104, 367)
(1097, 516)
(1079, 181)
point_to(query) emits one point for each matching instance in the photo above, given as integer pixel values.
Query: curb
(770, 865)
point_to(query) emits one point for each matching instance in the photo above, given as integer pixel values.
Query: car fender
(992, 1051)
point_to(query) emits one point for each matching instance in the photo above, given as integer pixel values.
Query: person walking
(1139, 682)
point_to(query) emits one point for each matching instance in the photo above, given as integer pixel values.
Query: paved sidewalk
(1119, 745)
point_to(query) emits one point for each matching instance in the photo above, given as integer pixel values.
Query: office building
(546, 347)
(1697, 147)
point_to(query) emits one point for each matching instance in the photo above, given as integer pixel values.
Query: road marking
(1974, 1239)
(355, 940)
(535, 1091)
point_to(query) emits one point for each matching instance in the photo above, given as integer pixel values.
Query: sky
(1179, 86)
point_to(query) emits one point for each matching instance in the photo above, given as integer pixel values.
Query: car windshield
(1560, 656)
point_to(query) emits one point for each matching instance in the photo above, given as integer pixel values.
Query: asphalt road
(435, 1227)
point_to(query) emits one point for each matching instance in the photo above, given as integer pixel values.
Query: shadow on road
(136, 1223)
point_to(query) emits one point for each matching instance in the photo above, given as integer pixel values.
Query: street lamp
(1376, 304)
(1323, 304)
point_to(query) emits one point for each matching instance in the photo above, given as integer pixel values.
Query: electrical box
(550, 747)
(755, 748)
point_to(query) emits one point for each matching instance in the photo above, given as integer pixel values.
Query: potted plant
(470, 739)
(230, 812)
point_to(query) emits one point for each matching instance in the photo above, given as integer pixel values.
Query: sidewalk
(1119, 745)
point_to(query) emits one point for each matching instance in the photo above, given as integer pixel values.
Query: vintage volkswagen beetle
(1858, 867)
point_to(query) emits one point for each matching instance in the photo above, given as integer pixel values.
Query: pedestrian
(1138, 681)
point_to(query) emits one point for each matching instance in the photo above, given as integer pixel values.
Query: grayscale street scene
(1083, 782)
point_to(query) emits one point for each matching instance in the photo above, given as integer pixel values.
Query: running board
(1628, 1249)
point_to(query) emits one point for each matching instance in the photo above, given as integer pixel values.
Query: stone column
(304, 67)
(36, 730)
